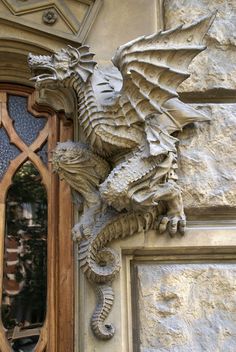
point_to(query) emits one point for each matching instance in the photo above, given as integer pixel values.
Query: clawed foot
(172, 224)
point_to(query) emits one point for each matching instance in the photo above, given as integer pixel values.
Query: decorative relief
(124, 177)
(50, 16)
(64, 19)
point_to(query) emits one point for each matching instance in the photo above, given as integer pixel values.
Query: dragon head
(66, 153)
(61, 65)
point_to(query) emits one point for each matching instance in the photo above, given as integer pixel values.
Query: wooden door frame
(58, 331)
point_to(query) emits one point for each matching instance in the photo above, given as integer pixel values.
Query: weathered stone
(126, 167)
(215, 67)
(187, 307)
(207, 159)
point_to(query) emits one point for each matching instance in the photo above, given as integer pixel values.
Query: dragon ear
(74, 54)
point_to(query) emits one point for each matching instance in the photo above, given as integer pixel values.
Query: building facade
(149, 290)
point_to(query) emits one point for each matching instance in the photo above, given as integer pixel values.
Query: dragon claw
(171, 224)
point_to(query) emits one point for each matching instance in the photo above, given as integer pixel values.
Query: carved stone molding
(60, 100)
(63, 19)
(124, 176)
(13, 59)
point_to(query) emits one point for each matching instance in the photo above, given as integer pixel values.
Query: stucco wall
(119, 22)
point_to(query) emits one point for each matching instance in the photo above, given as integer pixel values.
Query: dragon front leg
(141, 183)
(174, 219)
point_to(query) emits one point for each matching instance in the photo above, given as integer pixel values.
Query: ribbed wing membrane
(153, 67)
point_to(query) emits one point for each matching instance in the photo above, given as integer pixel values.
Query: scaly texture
(101, 264)
(131, 129)
(105, 299)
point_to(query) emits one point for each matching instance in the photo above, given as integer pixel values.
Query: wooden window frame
(57, 334)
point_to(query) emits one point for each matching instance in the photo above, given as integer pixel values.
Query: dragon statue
(124, 171)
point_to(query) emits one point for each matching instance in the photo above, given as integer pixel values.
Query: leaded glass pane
(26, 125)
(43, 153)
(8, 152)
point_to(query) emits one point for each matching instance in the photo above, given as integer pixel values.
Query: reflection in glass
(24, 282)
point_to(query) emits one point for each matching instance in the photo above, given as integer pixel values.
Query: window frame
(57, 334)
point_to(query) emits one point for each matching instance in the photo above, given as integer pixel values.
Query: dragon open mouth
(42, 73)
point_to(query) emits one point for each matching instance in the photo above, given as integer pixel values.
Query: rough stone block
(207, 159)
(215, 67)
(187, 307)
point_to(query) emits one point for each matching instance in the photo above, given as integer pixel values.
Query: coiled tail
(105, 299)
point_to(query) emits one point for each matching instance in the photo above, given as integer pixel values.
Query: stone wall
(185, 308)
(208, 152)
(214, 68)
(207, 163)
(190, 306)
(164, 304)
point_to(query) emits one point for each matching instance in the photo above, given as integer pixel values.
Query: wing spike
(171, 30)
(152, 68)
(201, 27)
(162, 57)
(154, 36)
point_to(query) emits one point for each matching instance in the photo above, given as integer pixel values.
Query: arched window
(36, 254)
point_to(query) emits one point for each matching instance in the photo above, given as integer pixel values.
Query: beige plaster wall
(120, 21)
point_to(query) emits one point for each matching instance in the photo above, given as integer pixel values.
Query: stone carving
(124, 176)
(50, 16)
(74, 18)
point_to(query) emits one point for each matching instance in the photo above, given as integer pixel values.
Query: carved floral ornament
(50, 16)
(124, 175)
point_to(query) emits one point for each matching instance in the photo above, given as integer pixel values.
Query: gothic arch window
(36, 257)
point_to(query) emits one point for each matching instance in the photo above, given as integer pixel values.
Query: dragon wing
(152, 68)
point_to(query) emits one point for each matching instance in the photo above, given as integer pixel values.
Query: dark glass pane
(26, 125)
(25, 262)
(43, 153)
(8, 152)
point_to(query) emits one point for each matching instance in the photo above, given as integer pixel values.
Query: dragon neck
(87, 110)
(89, 115)
(103, 137)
